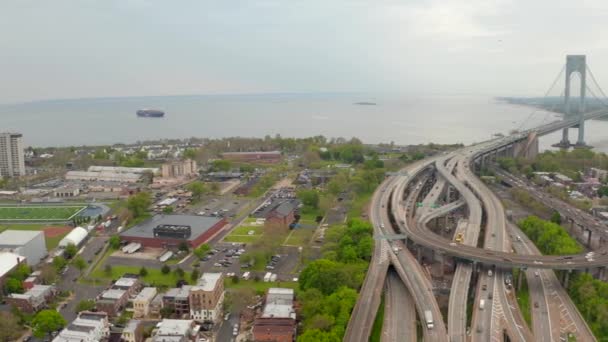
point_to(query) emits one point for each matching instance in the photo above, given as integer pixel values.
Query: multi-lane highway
(554, 315)
(499, 314)
(399, 312)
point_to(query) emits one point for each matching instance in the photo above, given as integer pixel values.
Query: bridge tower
(578, 64)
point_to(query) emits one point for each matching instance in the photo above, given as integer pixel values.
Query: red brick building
(34, 299)
(282, 215)
(169, 231)
(112, 301)
(274, 330)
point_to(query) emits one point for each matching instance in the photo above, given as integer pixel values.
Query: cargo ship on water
(150, 113)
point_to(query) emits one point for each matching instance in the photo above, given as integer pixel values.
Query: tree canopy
(309, 198)
(139, 203)
(549, 237)
(47, 321)
(198, 189)
(9, 327)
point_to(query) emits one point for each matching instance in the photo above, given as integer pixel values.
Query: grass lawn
(38, 213)
(249, 221)
(51, 242)
(299, 237)
(242, 238)
(243, 230)
(259, 286)
(155, 277)
(309, 217)
(523, 299)
(376, 334)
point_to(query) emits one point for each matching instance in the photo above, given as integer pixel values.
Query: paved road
(556, 314)
(81, 291)
(579, 217)
(399, 312)
(406, 265)
(364, 313)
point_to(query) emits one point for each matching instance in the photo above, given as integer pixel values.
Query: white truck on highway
(482, 304)
(428, 316)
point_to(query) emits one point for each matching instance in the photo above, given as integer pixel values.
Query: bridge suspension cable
(598, 87)
(551, 110)
(559, 75)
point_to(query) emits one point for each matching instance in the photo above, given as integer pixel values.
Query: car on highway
(536, 304)
(536, 274)
(490, 273)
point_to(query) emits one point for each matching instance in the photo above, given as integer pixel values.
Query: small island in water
(363, 103)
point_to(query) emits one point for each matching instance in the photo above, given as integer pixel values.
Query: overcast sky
(87, 48)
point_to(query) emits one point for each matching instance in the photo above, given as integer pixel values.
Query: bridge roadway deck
(505, 311)
(399, 312)
(364, 313)
(409, 270)
(491, 257)
(462, 276)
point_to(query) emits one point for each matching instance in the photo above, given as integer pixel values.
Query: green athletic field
(39, 213)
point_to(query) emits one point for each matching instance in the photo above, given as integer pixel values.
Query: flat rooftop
(198, 225)
(173, 327)
(208, 281)
(8, 261)
(18, 237)
(147, 294)
(125, 282)
(113, 294)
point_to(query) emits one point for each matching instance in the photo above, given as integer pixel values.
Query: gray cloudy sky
(88, 48)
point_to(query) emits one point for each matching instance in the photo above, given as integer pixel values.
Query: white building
(8, 262)
(87, 327)
(12, 159)
(176, 330)
(129, 333)
(141, 303)
(75, 237)
(27, 243)
(279, 303)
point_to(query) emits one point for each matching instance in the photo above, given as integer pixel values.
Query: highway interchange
(401, 210)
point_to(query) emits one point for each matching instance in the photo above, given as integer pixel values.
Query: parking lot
(225, 257)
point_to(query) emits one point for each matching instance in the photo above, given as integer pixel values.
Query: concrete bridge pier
(566, 279)
(601, 273)
(519, 278)
(565, 142)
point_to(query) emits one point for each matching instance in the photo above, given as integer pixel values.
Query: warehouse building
(169, 231)
(111, 174)
(27, 243)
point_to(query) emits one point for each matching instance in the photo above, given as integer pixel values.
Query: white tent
(75, 237)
